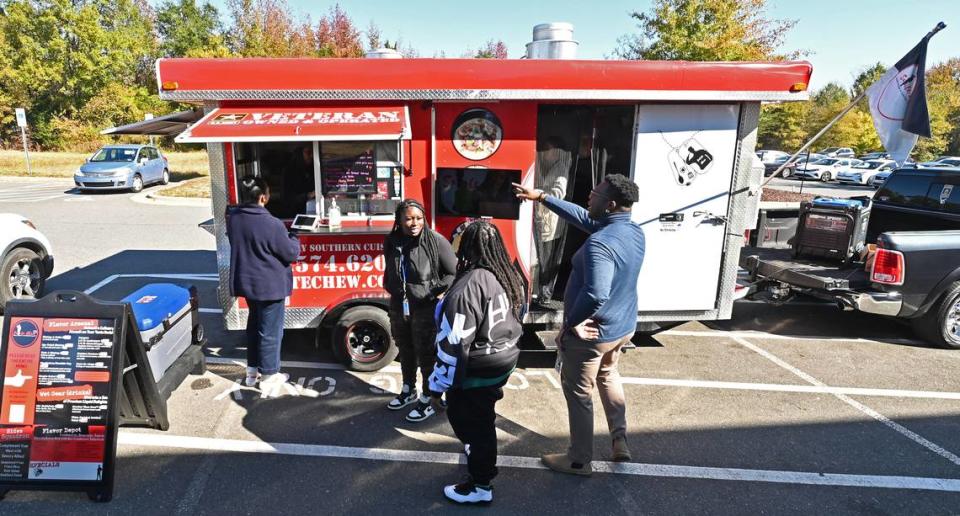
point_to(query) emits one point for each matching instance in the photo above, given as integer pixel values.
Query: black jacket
(422, 287)
(261, 250)
(477, 334)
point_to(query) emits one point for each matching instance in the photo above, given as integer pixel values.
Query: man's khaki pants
(586, 364)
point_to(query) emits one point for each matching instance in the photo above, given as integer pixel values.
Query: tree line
(79, 66)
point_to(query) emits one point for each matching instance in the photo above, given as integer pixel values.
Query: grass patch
(198, 187)
(183, 165)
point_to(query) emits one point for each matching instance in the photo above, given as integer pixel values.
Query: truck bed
(781, 265)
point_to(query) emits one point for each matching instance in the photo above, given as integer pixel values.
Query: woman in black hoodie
(479, 327)
(420, 267)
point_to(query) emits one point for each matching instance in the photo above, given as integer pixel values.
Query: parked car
(826, 169)
(770, 168)
(123, 167)
(914, 274)
(27, 259)
(863, 173)
(875, 155)
(942, 162)
(838, 152)
(880, 178)
(769, 156)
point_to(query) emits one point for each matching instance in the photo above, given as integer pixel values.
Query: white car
(27, 259)
(769, 156)
(826, 169)
(942, 162)
(863, 173)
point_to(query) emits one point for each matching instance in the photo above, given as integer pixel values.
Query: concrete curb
(157, 197)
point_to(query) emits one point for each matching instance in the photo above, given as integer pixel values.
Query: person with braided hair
(479, 321)
(420, 266)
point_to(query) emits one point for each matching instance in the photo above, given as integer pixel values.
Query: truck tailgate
(780, 264)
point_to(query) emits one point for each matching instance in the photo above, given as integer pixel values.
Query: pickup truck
(915, 273)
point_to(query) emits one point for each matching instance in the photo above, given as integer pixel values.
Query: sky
(844, 37)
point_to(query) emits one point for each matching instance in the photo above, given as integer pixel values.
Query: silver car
(123, 167)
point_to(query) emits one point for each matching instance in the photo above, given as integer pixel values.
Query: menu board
(54, 412)
(354, 173)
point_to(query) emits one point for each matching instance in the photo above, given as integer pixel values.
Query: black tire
(21, 276)
(165, 177)
(940, 326)
(825, 177)
(137, 185)
(198, 334)
(362, 339)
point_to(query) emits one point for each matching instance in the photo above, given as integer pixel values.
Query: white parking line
(193, 277)
(33, 193)
(900, 429)
(128, 438)
(660, 382)
(774, 336)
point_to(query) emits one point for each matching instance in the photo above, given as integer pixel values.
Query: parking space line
(900, 429)
(807, 389)
(774, 336)
(130, 438)
(660, 382)
(200, 276)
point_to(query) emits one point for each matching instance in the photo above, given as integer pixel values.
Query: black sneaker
(422, 411)
(468, 492)
(406, 397)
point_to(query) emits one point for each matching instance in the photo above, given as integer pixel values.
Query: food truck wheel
(362, 340)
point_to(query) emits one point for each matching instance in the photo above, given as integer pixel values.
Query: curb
(156, 197)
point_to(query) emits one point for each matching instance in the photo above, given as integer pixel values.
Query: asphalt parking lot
(795, 409)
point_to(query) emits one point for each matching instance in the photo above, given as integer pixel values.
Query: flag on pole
(898, 102)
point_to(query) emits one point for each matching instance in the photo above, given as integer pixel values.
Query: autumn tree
(706, 30)
(337, 36)
(492, 49)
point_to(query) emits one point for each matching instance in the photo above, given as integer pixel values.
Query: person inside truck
(479, 327)
(261, 251)
(599, 314)
(300, 182)
(420, 266)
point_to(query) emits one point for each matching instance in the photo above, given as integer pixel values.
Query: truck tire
(362, 340)
(941, 324)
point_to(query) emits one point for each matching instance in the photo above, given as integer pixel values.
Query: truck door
(683, 163)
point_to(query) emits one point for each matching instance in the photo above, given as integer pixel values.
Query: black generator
(832, 228)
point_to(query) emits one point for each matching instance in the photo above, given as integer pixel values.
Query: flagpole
(940, 26)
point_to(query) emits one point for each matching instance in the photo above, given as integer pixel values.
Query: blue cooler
(166, 315)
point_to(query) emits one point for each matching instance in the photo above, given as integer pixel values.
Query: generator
(832, 228)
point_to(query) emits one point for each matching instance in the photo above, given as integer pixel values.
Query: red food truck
(453, 133)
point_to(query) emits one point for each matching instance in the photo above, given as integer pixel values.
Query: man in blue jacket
(599, 314)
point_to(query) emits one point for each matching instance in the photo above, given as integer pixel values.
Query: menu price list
(56, 398)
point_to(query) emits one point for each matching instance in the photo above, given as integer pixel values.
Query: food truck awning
(299, 123)
(166, 125)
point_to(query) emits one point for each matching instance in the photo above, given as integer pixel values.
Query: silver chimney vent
(553, 41)
(383, 53)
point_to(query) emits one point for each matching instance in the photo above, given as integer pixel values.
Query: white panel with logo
(684, 158)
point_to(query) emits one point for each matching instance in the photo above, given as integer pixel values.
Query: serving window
(365, 178)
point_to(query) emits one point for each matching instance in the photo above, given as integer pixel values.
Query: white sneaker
(273, 385)
(406, 397)
(253, 376)
(468, 492)
(422, 411)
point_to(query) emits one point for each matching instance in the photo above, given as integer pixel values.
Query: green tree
(825, 104)
(190, 30)
(492, 49)
(781, 126)
(868, 77)
(706, 30)
(59, 54)
(943, 103)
